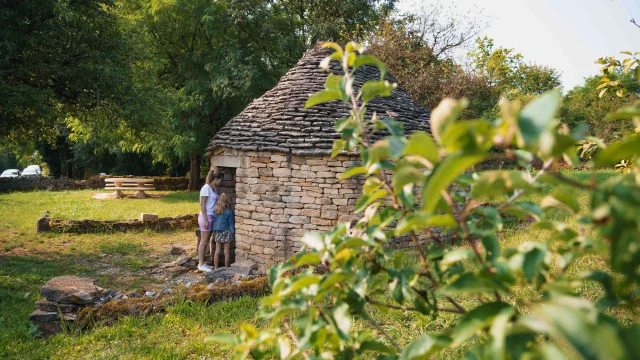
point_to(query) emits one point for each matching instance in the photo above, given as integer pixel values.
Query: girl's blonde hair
(223, 203)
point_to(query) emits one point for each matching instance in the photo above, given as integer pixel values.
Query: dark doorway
(228, 186)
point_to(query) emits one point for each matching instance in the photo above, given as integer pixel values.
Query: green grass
(27, 260)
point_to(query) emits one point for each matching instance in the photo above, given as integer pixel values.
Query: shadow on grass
(181, 197)
(20, 280)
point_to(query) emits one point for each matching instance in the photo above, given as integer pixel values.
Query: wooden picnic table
(119, 184)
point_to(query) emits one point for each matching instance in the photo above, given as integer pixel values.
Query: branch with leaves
(416, 185)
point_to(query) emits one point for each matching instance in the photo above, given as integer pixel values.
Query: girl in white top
(208, 200)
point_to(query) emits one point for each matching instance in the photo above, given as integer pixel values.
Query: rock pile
(63, 298)
(70, 301)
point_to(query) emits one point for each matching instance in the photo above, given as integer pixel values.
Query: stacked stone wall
(281, 197)
(101, 226)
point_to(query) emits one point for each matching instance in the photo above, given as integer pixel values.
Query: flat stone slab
(50, 306)
(50, 316)
(70, 290)
(226, 273)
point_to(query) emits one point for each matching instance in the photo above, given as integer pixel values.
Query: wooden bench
(119, 184)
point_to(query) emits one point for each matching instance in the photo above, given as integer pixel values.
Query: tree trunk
(194, 172)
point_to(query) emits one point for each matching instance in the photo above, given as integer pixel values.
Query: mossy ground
(28, 260)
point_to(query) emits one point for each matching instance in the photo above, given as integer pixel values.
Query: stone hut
(276, 158)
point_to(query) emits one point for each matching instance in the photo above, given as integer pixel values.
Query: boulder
(70, 290)
(42, 225)
(226, 273)
(176, 250)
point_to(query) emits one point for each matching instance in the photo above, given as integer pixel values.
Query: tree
(415, 184)
(420, 51)
(583, 106)
(216, 56)
(69, 76)
(509, 73)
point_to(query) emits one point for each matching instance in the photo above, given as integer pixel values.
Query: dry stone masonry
(286, 182)
(280, 198)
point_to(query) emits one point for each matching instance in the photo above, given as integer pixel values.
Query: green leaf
(420, 143)
(373, 89)
(478, 319)
(376, 346)
(370, 60)
(406, 175)
(338, 145)
(222, 338)
(301, 283)
(523, 208)
(306, 258)
(342, 320)
(470, 284)
(562, 196)
(394, 127)
(445, 173)
(422, 221)
(533, 261)
(455, 256)
(370, 185)
(353, 172)
(445, 114)
(492, 247)
(424, 346)
(333, 82)
(615, 152)
(496, 183)
(537, 119)
(396, 146)
(365, 200)
(591, 335)
(322, 96)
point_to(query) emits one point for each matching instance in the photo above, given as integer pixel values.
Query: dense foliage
(583, 106)
(322, 297)
(87, 82)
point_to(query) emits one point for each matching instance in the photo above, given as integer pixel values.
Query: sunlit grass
(27, 260)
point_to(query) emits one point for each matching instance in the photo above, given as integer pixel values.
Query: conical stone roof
(278, 121)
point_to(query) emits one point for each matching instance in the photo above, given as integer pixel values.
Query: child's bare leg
(227, 254)
(216, 257)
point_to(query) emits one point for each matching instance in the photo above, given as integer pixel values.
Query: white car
(10, 173)
(31, 171)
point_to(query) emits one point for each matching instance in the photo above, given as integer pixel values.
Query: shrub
(417, 183)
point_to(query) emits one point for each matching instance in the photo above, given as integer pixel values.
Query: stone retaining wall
(96, 226)
(59, 184)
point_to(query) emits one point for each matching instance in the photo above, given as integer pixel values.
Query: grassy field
(27, 260)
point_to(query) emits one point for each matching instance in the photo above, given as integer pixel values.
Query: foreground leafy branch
(415, 185)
